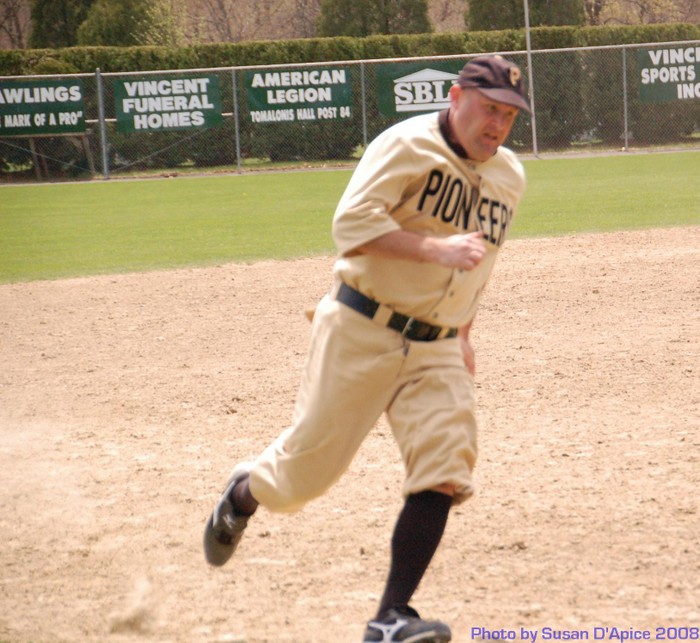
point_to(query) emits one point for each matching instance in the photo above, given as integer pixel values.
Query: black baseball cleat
(403, 624)
(225, 527)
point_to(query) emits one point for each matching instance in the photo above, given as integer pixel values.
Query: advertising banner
(409, 88)
(161, 104)
(38, 107)
(287, 96)
(669, 74)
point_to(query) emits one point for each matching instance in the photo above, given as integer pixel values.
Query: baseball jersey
(412, 177)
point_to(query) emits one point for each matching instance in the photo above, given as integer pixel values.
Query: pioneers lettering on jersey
(669, 74)
(411, 178)
(453, 200)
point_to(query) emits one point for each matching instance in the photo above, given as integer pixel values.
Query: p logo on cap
(497, 78)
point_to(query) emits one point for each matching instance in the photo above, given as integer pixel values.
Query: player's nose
(498, 121)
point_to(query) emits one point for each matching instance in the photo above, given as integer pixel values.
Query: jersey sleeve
(376, 187)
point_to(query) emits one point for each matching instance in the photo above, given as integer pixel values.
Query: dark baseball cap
(497, 78)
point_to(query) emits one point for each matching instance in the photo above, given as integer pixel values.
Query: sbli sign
(411, 88)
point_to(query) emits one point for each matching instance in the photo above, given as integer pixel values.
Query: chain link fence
(246, 118)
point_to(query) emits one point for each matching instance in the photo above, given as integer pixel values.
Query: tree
(55, 22)
(237, 20)
(594, 8)
(113, 22)
(14, 24)
(487, 15)
(447, 15)
(649, 11)
(368, 17)
(164, 24)
(303, 18)
(132, 22)
(628, 12)
(553, 14)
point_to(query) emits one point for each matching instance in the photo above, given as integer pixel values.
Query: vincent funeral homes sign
(158, 104)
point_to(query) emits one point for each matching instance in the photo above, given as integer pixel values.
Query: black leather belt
(409, 327)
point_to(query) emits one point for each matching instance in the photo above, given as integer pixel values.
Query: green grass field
(60, 230)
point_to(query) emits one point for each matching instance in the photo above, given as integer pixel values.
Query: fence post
(533, 118)
(364, 104)
(625, 102)
(236, 126)
(103, 124)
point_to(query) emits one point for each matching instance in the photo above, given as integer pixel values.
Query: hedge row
(20, 62)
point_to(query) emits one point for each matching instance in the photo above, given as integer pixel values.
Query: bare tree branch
(594, 8)
(447, 15)
(14, 24)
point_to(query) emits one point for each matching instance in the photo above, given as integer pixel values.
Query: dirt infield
(125, 400)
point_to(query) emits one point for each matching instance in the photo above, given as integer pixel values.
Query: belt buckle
(419, 331)
(408, 327)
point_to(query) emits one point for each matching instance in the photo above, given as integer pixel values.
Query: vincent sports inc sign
(669, 74)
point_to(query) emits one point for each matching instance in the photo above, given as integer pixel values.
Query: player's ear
(455, 93)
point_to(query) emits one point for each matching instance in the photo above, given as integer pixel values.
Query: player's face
(478, 123)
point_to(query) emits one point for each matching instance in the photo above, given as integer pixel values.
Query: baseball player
(417, 230)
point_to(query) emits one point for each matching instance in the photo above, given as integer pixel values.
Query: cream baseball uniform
(410, 178)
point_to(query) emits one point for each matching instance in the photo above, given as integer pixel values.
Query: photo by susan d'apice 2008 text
(597, 633)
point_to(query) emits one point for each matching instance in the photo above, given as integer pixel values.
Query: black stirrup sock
(416, 537)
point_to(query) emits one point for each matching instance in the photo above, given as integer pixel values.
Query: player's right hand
(461, 250)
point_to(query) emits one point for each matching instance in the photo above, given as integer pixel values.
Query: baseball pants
(355, 371)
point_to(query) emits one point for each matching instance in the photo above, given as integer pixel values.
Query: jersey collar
(446, 131)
